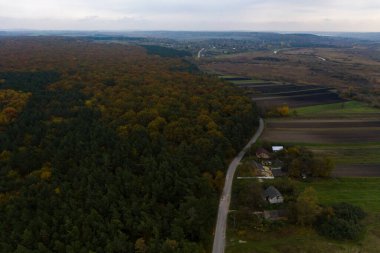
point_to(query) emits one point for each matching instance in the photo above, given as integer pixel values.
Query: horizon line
(178, 30)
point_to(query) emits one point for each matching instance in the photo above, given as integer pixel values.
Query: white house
(277, 148)
(273, 196)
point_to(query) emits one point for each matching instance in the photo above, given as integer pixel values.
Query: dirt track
(324, 131)
(359, 170)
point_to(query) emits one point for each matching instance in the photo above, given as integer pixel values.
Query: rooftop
(271, 192)
(277, 148)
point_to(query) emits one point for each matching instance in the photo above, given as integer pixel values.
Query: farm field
(269, 95)
(286, 88)
(353, 144)
(352, 159)
(292, 94)
(349, 109)
(357, 170)
(298, 101)
(318, 131)
(235, 78)
(363, 192)
(346, 131)
(341, 68)
(251, 81)
(323, 123)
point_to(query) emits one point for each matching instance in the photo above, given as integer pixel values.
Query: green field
(364, 192)
(345, 155)
(241, 81)
(228, 76)
(346, 110)
(248, 81)
(288, 240)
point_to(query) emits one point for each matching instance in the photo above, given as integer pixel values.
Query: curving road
(221, 223)
(200, 52)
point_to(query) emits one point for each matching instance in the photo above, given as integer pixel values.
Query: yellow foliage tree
(307, 207)
(11, 104)
(140, 246)
(5, 156)
(283, 110)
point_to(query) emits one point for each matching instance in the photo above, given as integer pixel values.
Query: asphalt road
(200, 52)
(224, 204)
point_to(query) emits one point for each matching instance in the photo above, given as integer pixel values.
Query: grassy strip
(346, 153)
(249, 81)
(350, 108)
(355, 155)
(228, 76)
(291, 239)
(242, 81)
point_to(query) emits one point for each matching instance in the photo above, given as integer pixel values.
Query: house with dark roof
(272, 195)
(262, 171)
(258, 166)
(262, 153)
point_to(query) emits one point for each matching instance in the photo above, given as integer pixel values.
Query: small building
(277, 148)
(262, 153)
(273, 196)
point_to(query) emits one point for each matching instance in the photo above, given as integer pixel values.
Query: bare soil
(327, 131)
(359, 170)
(299, 101)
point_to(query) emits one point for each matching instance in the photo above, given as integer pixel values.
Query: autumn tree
(283, 110)
(108, 149)
(306, 207)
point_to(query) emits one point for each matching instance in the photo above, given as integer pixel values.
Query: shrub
(248, 195)
(245, 219)
(300, 161)
(341, 222)
(340, 229)
(348, 212)
(280, 111)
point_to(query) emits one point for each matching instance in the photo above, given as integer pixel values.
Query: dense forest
(106, 148)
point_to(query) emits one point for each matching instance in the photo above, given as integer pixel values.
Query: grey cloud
(191, 14)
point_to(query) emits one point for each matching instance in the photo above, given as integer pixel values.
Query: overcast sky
(252, 15)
